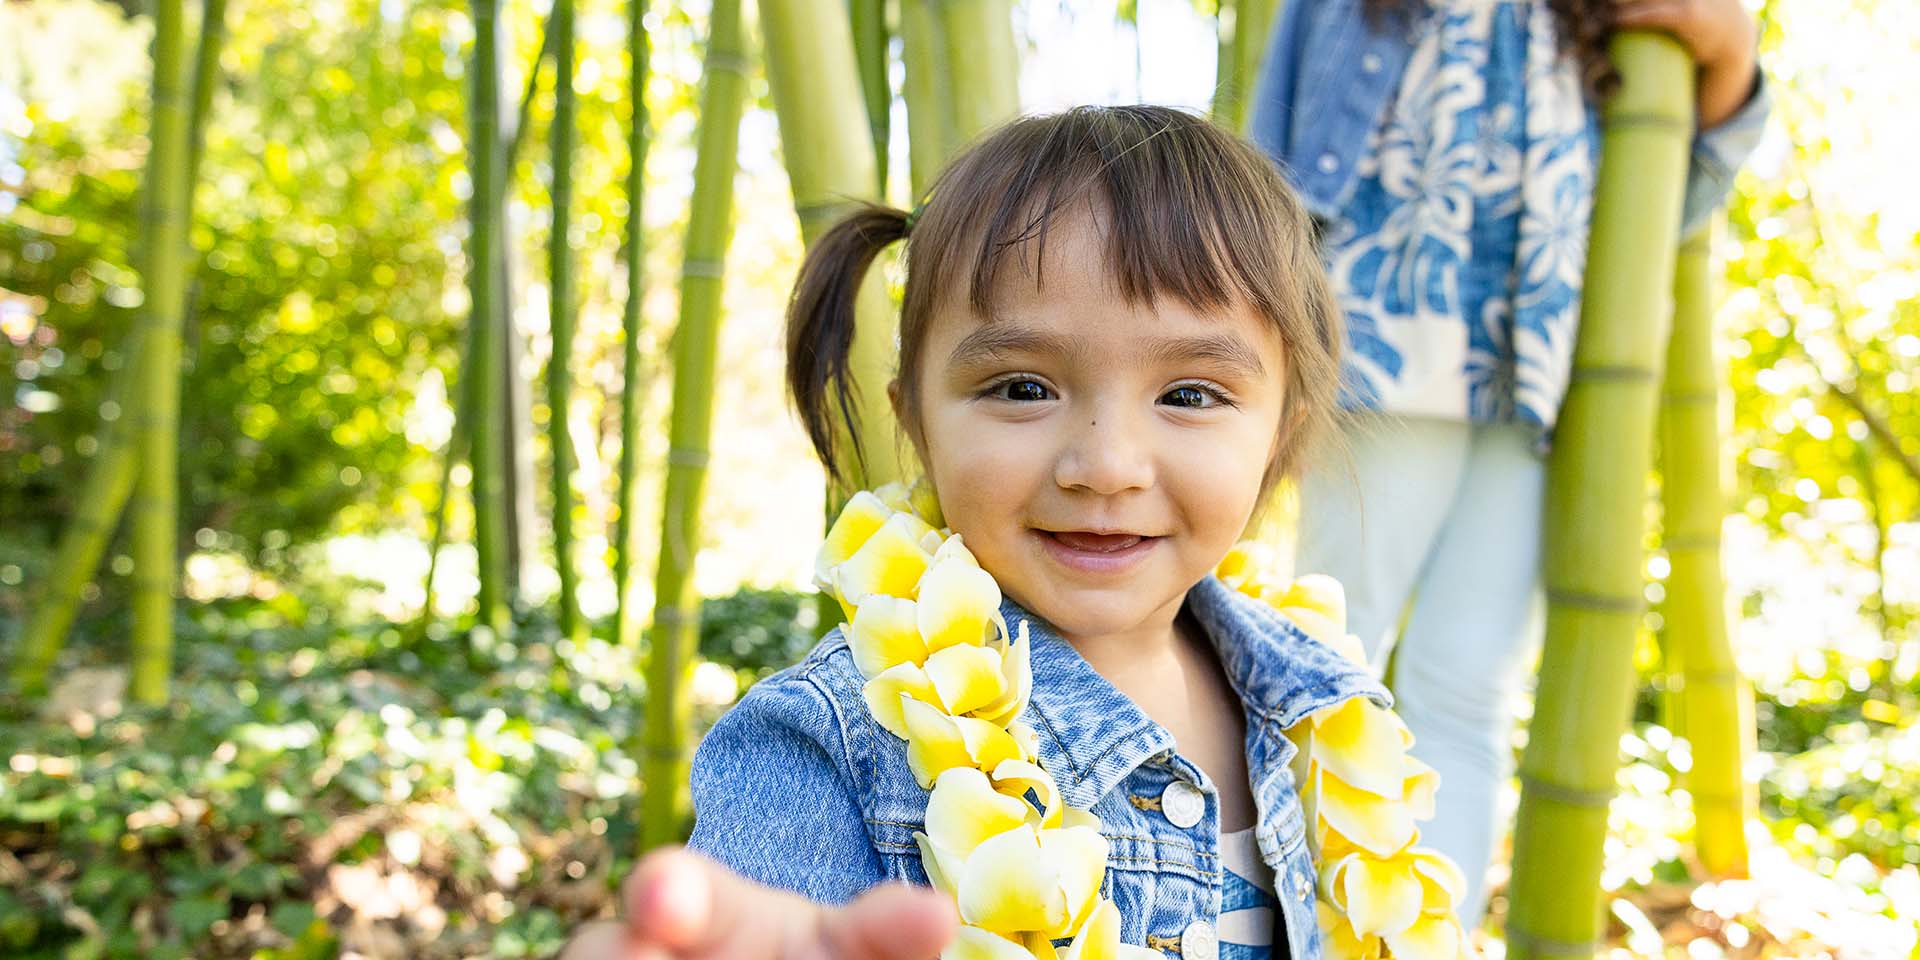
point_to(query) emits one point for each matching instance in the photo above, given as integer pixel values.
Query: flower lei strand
(944, 674)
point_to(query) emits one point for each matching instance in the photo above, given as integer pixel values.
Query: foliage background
(328, 782)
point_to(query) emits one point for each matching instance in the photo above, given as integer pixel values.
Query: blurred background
(322, 760)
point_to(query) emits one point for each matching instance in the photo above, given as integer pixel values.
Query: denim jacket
(798, 787)
(1330, 70)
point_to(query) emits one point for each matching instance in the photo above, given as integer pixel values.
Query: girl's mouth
(1088, 552)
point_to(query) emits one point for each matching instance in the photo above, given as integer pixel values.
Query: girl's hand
(678, 905)
(1720, 34)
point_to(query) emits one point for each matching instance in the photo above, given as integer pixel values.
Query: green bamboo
(1596, 491)
(110, 480)
(206, 67)
(963, 77)
(1710, 699)
(931, 137)
(1242, 27)
(869, 19)
(812, 73)
(983, 62)
(626, 535)
(486, 380)
(155, 503)
(560, 313)
(668, 734)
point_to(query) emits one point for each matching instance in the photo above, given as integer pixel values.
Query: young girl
(1116, 339)
(1448, 149)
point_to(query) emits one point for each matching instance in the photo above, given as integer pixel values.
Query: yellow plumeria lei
(944, 674)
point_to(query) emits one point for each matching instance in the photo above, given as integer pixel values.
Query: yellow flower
(958, 601)
(885, 633)
(1432, 937)
(1099, 939)
(886, 693)
(858, 520)
(1244, 568)
(937, 742)
(1380, 895)
(1362, 744)
(1015, 777)
(1022, 880)
(1338, 939)
(973, 943)
(889, 562)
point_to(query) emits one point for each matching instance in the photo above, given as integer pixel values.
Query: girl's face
(1098, 458)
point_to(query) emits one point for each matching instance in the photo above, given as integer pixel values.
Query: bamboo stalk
(812, 73)
(928, 91)
(485, 354)
(870, 40)
(1243, 26)
(983, 66)
(1714, 706)
(560, 312)
(668, 734)
(626, 545)
(111, 479)
(155, 502)
(1596, 491)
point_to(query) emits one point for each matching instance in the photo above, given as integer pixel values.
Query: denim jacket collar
(1092, 735)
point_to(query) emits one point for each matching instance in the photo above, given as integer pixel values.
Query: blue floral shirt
(799, 787)
(1450, 153)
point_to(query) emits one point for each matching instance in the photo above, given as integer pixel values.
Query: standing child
(1116, 338)
(1447, 148)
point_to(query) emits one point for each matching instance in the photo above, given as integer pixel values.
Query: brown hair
(1584, 27)
(1196, 213)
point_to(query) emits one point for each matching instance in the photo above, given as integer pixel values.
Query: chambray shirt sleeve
(771, 801)
(1718, 154)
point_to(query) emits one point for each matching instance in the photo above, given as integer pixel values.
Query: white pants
(1448, 513)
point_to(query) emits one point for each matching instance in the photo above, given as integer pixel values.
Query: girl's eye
(1195, 396)
(1019, 390)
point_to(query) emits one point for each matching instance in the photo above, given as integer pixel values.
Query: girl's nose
(1104, 454)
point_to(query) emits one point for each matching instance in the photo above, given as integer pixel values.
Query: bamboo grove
(827, 67)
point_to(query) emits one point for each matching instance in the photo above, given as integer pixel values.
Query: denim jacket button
(1329, 163)
(1197, 942)
(1183, 804)
(1302, 886)
(1371, 63)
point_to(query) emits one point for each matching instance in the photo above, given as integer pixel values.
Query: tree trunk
(560, 284)
(1596, 494)
(668, 734)
(486, 379)
(626, 539)
(1714, 706)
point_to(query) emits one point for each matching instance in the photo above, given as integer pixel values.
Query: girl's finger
(1649, 13)
(606, 940)
(668, 898)
(890, 922)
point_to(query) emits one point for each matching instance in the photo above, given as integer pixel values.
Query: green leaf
(194, 916)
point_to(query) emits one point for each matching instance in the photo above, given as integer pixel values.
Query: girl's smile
(1096, 553)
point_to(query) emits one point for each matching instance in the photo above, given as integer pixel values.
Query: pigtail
(820, 327)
